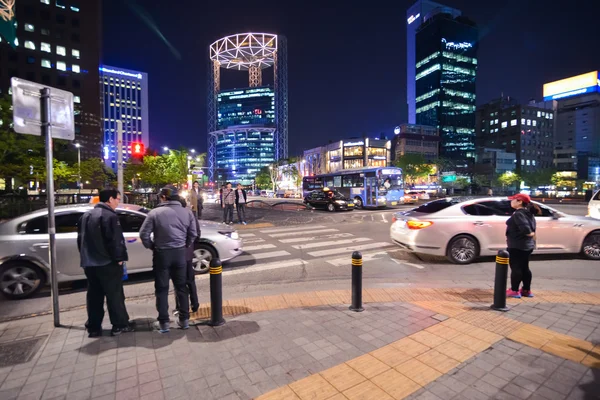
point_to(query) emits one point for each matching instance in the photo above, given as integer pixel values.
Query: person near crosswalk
(240, 203)
(190, 280)
(227, 203)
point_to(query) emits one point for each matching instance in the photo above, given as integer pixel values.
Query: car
(24, 265)
(594, 206)
(462, 229)
(411, 198)
(330, 200)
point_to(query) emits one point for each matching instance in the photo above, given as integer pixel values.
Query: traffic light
(137, 152)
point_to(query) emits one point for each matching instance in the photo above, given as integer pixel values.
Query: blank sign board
(27, 110)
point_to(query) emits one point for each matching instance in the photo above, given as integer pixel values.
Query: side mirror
(555, 215)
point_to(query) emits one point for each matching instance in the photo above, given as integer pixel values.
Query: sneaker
(183, 323)
(526, 293)
(94, 334)
(513, 294)
(162, 327)
(117, 331)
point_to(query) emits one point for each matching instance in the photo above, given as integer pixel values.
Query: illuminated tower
(247, 127)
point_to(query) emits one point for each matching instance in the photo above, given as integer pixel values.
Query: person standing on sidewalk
(174, 229)
(103, 251)
(196, 200)
(240, 203)
(227, 203)
(520, 238)
(190, 279)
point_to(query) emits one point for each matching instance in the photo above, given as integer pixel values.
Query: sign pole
(120, 157)
(47, 132)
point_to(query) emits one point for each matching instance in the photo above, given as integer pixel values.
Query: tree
(508, 178)
(538, 177)
(263, 179)
(178, 166)
(96, 172)
(414, 166)
(62, 174)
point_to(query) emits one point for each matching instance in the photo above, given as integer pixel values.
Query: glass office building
(246, 135)
(446, 69)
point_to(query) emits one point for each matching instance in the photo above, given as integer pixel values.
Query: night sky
(347, 67)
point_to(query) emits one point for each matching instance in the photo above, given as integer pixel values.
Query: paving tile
(438, 361)
(342, 377)
(418, 372)
(395, 384)
(312, 387)
(410, 346)
(428, 339)
(368, 366)
(283, 393)
(390, 355)
(366, 391)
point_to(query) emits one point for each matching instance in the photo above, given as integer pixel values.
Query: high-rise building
(446, 69)
(125, 99)
(416, 139)
(527, 130)
(414, 17)
(247, 127)
(59, 44)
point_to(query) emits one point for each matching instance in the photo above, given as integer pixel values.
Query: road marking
(295, 229)
(310, 232)
(259, 268)
(253, 241)
(350, 249)
(408, 264)
(346, 261)
(330, 243)
(308, 239)
(259, 247)
(245, 235)
(260, 256)
(383, 217)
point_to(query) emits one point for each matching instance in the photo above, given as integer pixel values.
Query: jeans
(241, 210)
(519, 269)
(227, 213)
(105, 281)
(190, 283)
(170, 263)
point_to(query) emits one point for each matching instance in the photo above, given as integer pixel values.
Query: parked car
(330, 200)
(463, 229)
(24, 264)
(594, 206)
(411, 198)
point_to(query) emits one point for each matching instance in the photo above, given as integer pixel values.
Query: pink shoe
(526, 293)
(513, 294)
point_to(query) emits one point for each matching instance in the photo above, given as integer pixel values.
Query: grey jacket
(173, 226)
(100, 238)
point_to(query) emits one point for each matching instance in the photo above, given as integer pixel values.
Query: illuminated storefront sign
(413, 18)
(122, 73)
(573, 86)
(457, 46)
(361, 143)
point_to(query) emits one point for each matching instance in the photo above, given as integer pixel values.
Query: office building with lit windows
(125, 99)
(416, 139)
(415, 16)
(446, 69)
(59, 44)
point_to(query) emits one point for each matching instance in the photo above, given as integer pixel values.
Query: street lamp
(78, 165)
(165, 149)
(192, 151)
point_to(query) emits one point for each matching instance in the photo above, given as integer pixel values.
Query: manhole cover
(19, 351)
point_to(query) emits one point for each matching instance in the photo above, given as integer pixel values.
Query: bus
(369, 187)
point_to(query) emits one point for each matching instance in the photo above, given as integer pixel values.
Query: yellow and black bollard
(500, 281)
(356, 282)
(216, 293)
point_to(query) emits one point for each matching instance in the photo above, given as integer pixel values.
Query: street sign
(449, 178)
(197, 172)
(27, 110)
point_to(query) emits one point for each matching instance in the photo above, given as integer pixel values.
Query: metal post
(500, 281)
(47, 132)
(120, 157)
(216, 293)
(356, 282)
(79, 167)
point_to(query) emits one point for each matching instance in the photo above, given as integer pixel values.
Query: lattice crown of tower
(7, 9)
(243, 50)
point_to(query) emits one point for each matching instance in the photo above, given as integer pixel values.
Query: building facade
(347, 154)
(414, 18)
(525, 130)
(125, 99)
(59, 44)
(495, 161)
(446, 69)
(416, 139)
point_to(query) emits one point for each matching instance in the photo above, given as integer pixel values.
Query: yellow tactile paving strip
(401, 368)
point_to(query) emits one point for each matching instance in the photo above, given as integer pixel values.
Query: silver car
(24, 265)
(463, 229)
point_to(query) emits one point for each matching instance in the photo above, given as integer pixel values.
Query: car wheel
(330, 207)
(203, 254)
(591, 246)
(20, 279)
(358, 202)
(463, 249)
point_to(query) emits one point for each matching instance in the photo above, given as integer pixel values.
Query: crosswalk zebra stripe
(295, 229)
(246, 235)
(259, 256)
(300, 233)
(308, 239)
(258, 268)
(330, 243)
(254, 241)
(350, 249)
(259, 247)
(346, 261)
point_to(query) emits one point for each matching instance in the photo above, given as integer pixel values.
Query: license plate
(350, 204)
(394, 203)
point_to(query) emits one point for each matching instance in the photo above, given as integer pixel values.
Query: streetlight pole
(78, 165)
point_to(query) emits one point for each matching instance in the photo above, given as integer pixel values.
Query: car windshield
(336, 195)
(439, 205)
(395, 181)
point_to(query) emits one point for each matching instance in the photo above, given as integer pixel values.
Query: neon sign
(122, 73)
(457, 46)
(413, 18)
(361, 143)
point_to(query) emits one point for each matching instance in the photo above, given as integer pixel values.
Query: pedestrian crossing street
(299, 245)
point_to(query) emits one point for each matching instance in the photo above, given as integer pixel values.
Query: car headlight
(231, 235)
(381, 199)
(340, 201)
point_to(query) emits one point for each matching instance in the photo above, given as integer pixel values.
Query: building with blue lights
(125, 99)
(446, 70)
(415, 16)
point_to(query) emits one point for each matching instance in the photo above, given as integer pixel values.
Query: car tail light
(418, 224)
(394, 219)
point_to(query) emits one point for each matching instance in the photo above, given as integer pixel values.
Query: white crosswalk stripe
(259, 247)
(260, 256)
(311, 238)
(247, 235)
(249, 241)
(300, 233)
(349, 249)
(330, 243)
(346, 261)
(259, 268)
(295, 229)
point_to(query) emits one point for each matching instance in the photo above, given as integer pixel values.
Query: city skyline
(328, 95)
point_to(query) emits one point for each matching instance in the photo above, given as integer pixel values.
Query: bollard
(500, 281)
(216, 293)
(356, 282)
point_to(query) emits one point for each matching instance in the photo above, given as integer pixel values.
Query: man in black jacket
(102, 249)
(240, 203)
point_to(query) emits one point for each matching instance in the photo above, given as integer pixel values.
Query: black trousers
(241, 211)
(105, 281)
(170, 263)
(228, 213)
(519, 269)
(190, 283)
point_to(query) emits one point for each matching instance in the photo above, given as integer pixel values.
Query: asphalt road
(313, 253)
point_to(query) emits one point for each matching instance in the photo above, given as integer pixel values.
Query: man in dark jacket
(102, 248)
(174, 229)
(240, 203)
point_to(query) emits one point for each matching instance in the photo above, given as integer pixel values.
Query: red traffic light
(138, 148)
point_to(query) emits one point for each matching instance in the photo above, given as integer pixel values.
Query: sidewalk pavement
(408, 343)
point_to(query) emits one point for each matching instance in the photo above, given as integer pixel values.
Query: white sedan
(463, 229)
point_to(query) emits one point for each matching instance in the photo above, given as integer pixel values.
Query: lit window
(504, 124)
(528, 122)
(73, 8)
(533, 162)
(16, 41)
(76, 99)
(29, 45)
(45, 1)
(46, 47)
(29, 28)
(513, 122)
(76, 68)
(534, 122)
(60, 4)
(522, 121)
(46, 64)
(45, 32)
(61, 51)
(75, 53)
(62, 66)
(539, 114)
